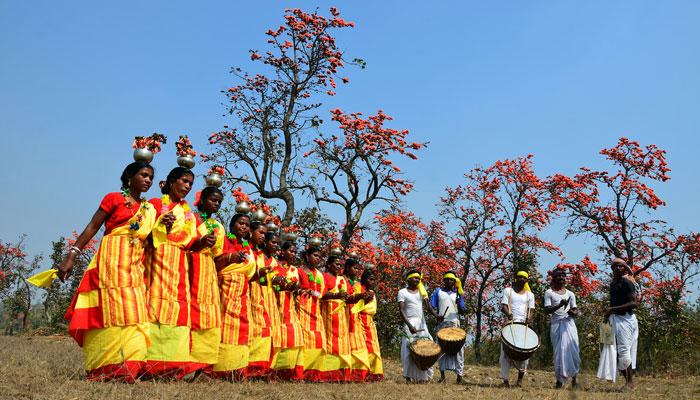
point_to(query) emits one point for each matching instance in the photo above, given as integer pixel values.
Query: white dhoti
(623, 353)
(410, 370)
(507, 363)
(452, 363)
(564, 336)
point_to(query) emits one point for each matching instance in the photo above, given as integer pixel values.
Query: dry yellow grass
(50, 368)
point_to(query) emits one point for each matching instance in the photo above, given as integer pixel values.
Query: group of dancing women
(171, 294)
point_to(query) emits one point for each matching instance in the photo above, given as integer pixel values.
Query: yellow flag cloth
(526, 276)
(458, 283)
(43, 279)
(421, 287)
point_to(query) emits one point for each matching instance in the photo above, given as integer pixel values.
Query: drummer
(449, 303)
(518, 305)
(411, 300)
(560, 303)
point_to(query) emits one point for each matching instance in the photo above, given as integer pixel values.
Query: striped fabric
(376, 369)
(289, 333)
(204, 287)
(358, 348)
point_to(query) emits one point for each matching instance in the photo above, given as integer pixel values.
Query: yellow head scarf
(526, 276)
(458, 282)
(421, 287)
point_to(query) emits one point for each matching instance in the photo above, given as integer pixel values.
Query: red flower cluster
(152, 143)
(183, 147)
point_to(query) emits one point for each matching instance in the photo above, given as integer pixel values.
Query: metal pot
(214, 179)
(336, 252)
(289, 237)
(315, 241)
(143, 155)
(186, 161)
(242, 208)
(259, 215)
(271, 227)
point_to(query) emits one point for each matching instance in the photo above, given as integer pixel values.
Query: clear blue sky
(480, 80)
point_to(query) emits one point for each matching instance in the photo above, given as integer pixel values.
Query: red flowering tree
(404, 242)
(15, 291)
(276, 106)
(355, 168)
(614, 206)
(497, 213)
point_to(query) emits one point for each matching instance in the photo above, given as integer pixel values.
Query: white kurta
(564, 336)
(413, 308)
(520, 307)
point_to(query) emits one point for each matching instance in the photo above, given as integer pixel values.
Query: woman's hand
(208, 240)
(168, 220)
(412, 329)
(66, 267)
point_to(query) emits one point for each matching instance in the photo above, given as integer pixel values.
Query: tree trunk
(477, 333)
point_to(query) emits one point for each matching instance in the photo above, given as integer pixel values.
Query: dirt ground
(50, 368)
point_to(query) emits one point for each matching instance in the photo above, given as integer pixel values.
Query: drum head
(520, 336)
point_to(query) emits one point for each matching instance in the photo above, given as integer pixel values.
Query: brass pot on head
(369, 266)
(315, 242)
(289, 237)
(242, 208)
(336, 252)
(186, 162)
(353, 254)
(271, 227)
(259, 215)
(143, 155)
(214, 179)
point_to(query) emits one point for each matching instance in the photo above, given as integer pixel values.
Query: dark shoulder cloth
(621, 291)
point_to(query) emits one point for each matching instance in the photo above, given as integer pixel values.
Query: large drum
(451, 339)
(519, 341)
(424, 353)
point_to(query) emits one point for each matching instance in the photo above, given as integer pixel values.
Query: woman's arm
(88, 233)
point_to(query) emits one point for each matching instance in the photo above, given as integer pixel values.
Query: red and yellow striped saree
(235, 314)
(314, 333)
(168, 290)
(376, 370)
(288, 339)
(205, 312)
(338, 360)
(108, 316)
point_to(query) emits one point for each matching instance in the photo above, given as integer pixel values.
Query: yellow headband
(458, 283)
(421, 287)
(526, 276)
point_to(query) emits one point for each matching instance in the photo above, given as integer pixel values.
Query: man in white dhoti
(411, 300)
(560, 303)
(448, 303)
(518, 305)
(623, 301)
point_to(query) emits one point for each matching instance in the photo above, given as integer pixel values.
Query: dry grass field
(50, 368)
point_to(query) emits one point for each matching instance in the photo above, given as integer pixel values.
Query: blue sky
(480, 80)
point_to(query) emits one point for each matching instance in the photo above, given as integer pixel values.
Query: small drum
(424, 353)
(451, 340)
(519, 341)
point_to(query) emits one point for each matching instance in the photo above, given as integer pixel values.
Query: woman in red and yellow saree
(167, 279)
(338, 360)
(205, 312)
(262, 302)
(235, 267)
(358, 348)
(108, 316)
(288, 339)
(309, 300)
(367, 312)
